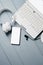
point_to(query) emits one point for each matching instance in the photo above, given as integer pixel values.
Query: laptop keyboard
(31, 21)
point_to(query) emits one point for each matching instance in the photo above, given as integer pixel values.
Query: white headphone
(7, 26)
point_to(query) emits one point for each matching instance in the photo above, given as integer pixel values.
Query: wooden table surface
(28, 52)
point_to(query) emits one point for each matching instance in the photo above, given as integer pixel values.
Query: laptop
(28, 15)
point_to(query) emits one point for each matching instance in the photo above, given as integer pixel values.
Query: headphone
(7, 26)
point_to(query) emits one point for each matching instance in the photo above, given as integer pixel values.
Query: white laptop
(28, 17)
(37, 5)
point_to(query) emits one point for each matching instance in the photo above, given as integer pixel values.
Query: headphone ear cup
(6, 27)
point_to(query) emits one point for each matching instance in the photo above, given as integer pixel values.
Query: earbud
(42, 37)
(6, 27)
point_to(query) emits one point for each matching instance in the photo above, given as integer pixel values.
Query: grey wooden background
(28, 53)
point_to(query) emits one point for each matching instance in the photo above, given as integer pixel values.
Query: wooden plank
(8, 5)
(18, 3)
(3, 59)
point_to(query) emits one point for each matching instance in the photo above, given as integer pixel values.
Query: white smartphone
(16, 35)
